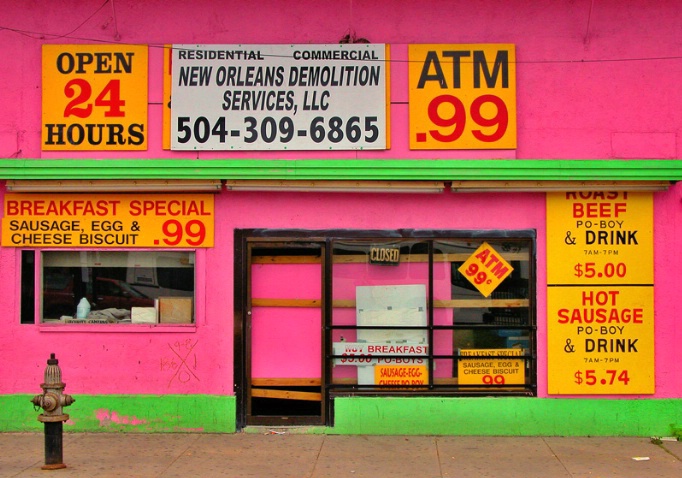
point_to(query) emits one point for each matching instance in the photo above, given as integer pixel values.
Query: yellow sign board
(462, 96)
(600, 238)
(600, 340)
(600, 294)
(108, 220)
(485, 269)
(401, 375)
(491, 371)
(94, 97)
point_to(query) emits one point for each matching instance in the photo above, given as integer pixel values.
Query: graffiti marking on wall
(183, 363)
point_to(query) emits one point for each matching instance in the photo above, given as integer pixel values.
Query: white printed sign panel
(382, 353)
(392, 306)
(279, 97)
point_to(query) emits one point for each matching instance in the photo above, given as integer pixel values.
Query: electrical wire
(42, 35)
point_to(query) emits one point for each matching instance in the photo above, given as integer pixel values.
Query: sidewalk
(267, 454)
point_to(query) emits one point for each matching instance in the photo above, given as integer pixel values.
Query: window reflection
(114, 283)
(462, 323)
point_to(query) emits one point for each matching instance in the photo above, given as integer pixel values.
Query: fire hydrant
(52, 400)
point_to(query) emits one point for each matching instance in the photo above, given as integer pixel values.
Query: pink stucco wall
(595, 80)
(144, 362)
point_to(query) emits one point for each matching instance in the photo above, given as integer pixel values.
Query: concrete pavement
(290, 453)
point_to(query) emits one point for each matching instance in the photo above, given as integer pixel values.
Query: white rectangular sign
(365, 353)
(279, 97)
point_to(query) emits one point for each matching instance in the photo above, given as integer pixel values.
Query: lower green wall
(128, 413)
(507, 416)
(368, 415)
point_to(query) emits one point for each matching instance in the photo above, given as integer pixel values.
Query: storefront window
(116, 287)
(433, 314)
(28, 287)
(379, 291)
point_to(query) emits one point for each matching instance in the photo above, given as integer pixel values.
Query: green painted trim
(345, 169)
(129, 414)
(482, 416)
(509, 416)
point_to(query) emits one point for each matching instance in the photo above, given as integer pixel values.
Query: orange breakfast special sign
(108, 220)
(498, 367)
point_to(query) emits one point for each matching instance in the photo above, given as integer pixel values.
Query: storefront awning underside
(345, 169)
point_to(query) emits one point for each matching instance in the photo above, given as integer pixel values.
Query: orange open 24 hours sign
(108, 220)
(94, 97)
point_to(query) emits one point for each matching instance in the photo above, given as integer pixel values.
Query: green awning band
(346, 169)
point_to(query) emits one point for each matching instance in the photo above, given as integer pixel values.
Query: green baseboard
(507, 416)
(483, 416)
(128, 413)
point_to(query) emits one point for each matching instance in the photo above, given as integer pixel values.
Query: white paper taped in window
(143, 315)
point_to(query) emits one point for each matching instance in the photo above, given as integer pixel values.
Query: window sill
(121, 328)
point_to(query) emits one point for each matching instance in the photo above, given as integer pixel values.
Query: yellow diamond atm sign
(485, 269)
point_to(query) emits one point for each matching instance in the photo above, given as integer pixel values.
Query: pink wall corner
(667, 284)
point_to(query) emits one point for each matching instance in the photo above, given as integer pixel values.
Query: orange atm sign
(485, 269)
(462, 96)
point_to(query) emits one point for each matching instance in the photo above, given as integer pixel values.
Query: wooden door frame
(244, 241)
